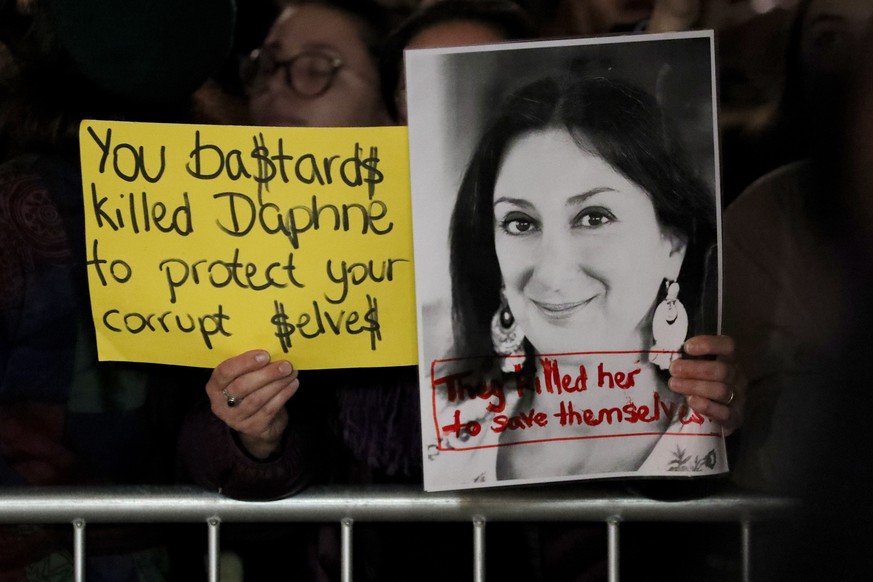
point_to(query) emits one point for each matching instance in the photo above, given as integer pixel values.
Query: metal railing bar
(478, 549)
(79, 550)
(613, 548)
(746, 542)
(378, 503)
(213, 525)
(347, 550)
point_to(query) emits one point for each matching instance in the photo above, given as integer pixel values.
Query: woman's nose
(275, 82)
(555, 262)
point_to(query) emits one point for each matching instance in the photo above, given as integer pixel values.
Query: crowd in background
(795, 81)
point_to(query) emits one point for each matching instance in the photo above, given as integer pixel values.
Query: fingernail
(262, 357)
(285, 368)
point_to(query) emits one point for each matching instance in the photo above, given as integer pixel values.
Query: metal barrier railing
(346, 505)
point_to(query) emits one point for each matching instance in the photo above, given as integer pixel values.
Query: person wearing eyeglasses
(318, 66)
(264, 431)
(315, 68)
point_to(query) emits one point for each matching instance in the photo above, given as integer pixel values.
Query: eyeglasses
(309, 73)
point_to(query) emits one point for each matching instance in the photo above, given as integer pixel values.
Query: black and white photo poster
(566, 219)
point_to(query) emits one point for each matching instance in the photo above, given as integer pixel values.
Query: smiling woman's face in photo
(580, 249)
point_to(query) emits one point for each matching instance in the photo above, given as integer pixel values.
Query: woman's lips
(561, 310)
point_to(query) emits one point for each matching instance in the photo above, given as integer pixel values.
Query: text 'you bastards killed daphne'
(206, 241)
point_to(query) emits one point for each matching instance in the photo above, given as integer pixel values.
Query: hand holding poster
(207, 241)
(583, 219)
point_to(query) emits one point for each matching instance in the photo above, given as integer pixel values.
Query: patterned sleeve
(38, 318)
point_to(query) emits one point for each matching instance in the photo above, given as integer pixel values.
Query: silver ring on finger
(230, 399)
(731, 397)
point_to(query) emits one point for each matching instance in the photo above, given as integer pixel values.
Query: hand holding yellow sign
(207, 241)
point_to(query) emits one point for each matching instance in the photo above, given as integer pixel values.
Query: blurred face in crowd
(445, 34)
(605, 15)
(455, 33)
(832, 30)
(314, 70)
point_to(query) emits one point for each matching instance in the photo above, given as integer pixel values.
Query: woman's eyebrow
(313, 45)
(511, 200)
(580, 198)
(319, 45)
(573, 200)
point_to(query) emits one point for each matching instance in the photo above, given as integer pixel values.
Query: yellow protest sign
(205, 241)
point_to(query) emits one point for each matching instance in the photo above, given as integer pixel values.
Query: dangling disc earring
(506, 336)
(669, 327)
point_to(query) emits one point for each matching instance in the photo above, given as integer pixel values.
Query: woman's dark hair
(618, 122)
(812, 120)
(791, 99)
(503, 16)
